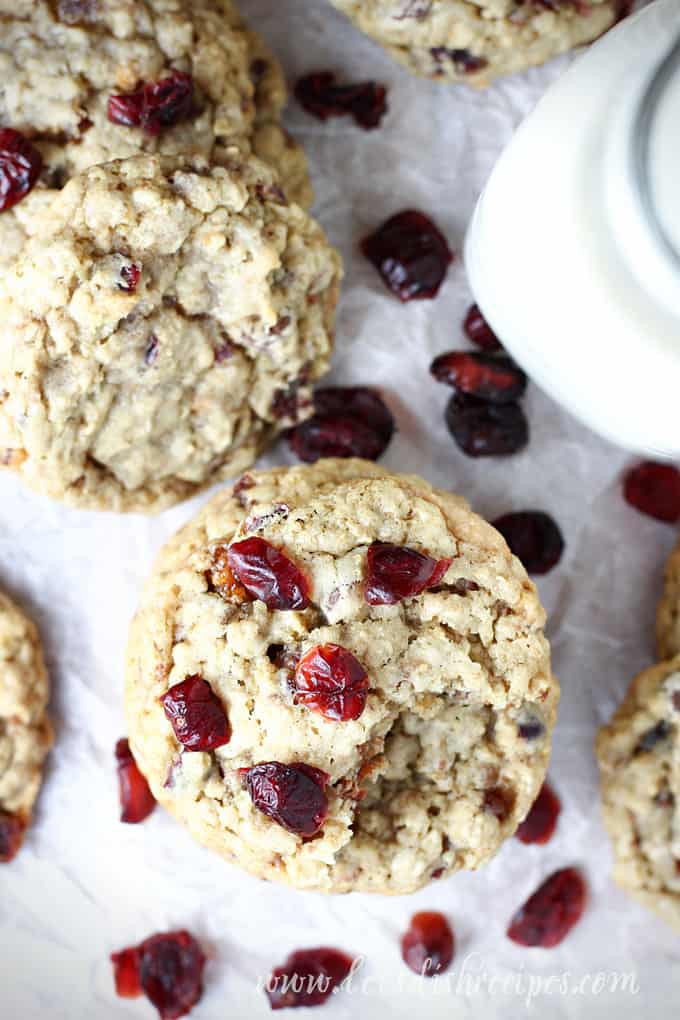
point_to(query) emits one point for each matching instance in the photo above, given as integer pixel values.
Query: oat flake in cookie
(639, 754)
(166, 324)
(25, 732)
(62, 61)
(475, 41)
(393, 727)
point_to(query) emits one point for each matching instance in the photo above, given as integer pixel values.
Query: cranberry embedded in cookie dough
(155, 105)
(136, 799)
(551, 912)
(20, 166)
(395, 572)
(12, 829)
(411, 255)
(293, 796)
(167, 968)
(307, 978)
(196, 715)
(332, 682)
(268, 575)
(428, 946)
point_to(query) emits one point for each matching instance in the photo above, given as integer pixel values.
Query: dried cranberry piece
(196, 715)
(331, 681)
(428, 945)
(656, 735)
(486, 430)
(464, 61)
(307, 978)
(478, 330)
(155, 105)
(167, 968)
(319, 95)
(130, 275)
(548, 916)
(126, 973)
(349, 421)
(496, 379)
(12, 829)
(395, 572)
(136, 799)
(221, 578)
(540, 824)
(71, 12)
(20, 166)
(654, 489)
(268, 575)
(411, 255)
(293, 796)
(534, 537)
(499, 801)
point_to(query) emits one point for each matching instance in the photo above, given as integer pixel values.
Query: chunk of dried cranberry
(293, 796)
(155, 105)
(464, 62)
(268, 575)
(348, 421)
(534, 537)
(197, 715)
(478, 330)
(221, 579)
(167, 968)
(307, 978)
(20, 166)
(395, 572)
(548, 916)
(136, 799)
(411, 255)
(319, 94)
(486, 430)
(540, 824)
(654, 489)
(130, 275)
(12, 829)
(331, 681)
(496, 379)
(429, 944)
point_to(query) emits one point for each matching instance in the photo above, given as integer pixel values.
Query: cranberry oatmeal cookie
(338, 679)
(25, 732)
(83, 82)
(639, 754)
(668, 613)
(168, 321)
(475, 41)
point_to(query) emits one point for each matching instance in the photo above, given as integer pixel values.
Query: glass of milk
(573, 252)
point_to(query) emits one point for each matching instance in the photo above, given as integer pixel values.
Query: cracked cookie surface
(60, 61)
(169, 320)
(434, 767)
(639, 755)
(476, 41)
(668, 612)
(25, 732)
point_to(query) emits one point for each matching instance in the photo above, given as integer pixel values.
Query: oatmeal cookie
(169, 320)
(338, 678)
(63, 63)
(668, 612)
(639, 754)
(476, 41)
(25, 732)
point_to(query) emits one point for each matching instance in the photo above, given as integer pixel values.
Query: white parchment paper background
(85, 885)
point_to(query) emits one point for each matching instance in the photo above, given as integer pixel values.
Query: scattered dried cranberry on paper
(551, 912)
(167, 968)
(136, 799)
(428, 945)
(654, 490)
(540, 824)
(307, 978)
(411, 255)
(320, 95)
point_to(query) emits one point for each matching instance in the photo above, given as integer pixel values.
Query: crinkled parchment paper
(85, 885)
